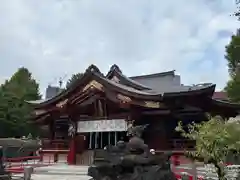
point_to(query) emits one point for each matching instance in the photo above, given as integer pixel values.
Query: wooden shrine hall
(96, 110)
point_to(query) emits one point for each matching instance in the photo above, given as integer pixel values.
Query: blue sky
(60, 37)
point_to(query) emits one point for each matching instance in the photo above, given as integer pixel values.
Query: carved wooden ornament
(115, 79)
(62, 103)
(124, 99)
(153, 104)
(39, 112)
(72, 128)
(93, 84)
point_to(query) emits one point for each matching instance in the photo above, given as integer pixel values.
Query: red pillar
(175, 160)
(71, 159)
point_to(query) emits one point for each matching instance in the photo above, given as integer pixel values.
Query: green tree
(215, 139)
(233, 88)
(14, 111)
(73, 79)
(233, 53)
(233, 59)
(6, 125)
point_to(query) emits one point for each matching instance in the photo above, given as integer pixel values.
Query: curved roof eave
(130, 91)
(92, 73)
(37, 101)
(193, 91)
(226, 104)
(228, 109)
(115, 70)
(65, 92)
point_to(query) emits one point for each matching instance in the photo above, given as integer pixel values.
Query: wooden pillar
(163, 135)
(71, 159)
(55, 157)
(51, 129)
(90, 140)
(109, 138)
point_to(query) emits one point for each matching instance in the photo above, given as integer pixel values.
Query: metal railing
(17, 165)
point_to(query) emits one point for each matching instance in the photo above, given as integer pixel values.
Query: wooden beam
(155, 112)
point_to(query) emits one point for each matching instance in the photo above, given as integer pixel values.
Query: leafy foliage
(215, 139)
(233, 58)
(73, 79)
(14, 111)
(233, 88)
(233, 54)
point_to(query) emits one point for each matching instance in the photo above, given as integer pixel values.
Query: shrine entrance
(101, 133)
(99, 140)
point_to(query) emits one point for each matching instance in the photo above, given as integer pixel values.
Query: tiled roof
(171, 90)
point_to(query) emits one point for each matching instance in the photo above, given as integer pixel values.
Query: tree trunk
(194, 170)
(220, 171)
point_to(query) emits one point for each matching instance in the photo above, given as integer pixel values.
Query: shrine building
(95, 112)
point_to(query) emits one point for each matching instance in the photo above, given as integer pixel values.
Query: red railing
(190, 177)
(173, 144)
(177, 161)
(18, 159)
(16, 165)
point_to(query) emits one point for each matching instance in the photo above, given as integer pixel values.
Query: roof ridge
(171, 72)
(115, 70)
(94, 69)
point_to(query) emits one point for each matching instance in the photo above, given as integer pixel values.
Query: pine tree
(15, 113)
(73, 79)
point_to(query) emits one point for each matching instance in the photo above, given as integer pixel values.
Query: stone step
(59, 177)
(62, 170)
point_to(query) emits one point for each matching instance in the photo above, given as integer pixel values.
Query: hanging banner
(102, 125)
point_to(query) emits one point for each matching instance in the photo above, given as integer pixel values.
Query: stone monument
(131, 161)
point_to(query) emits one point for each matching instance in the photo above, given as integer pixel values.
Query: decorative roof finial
(116, 68)
(93, 68)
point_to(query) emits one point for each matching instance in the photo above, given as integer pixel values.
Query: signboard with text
(102, 125)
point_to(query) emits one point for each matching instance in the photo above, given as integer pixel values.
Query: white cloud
(54, 38)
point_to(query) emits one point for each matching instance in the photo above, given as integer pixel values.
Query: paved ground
(54, 177)
(59, 177)
(66, 172)
(58, 172)
(62, 169)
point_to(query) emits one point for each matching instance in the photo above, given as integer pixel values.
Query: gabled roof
(129, 88)
(182, 90)
(226, 104)
(93, 73)
(116, 72)
(225, 107)
(206, 88)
